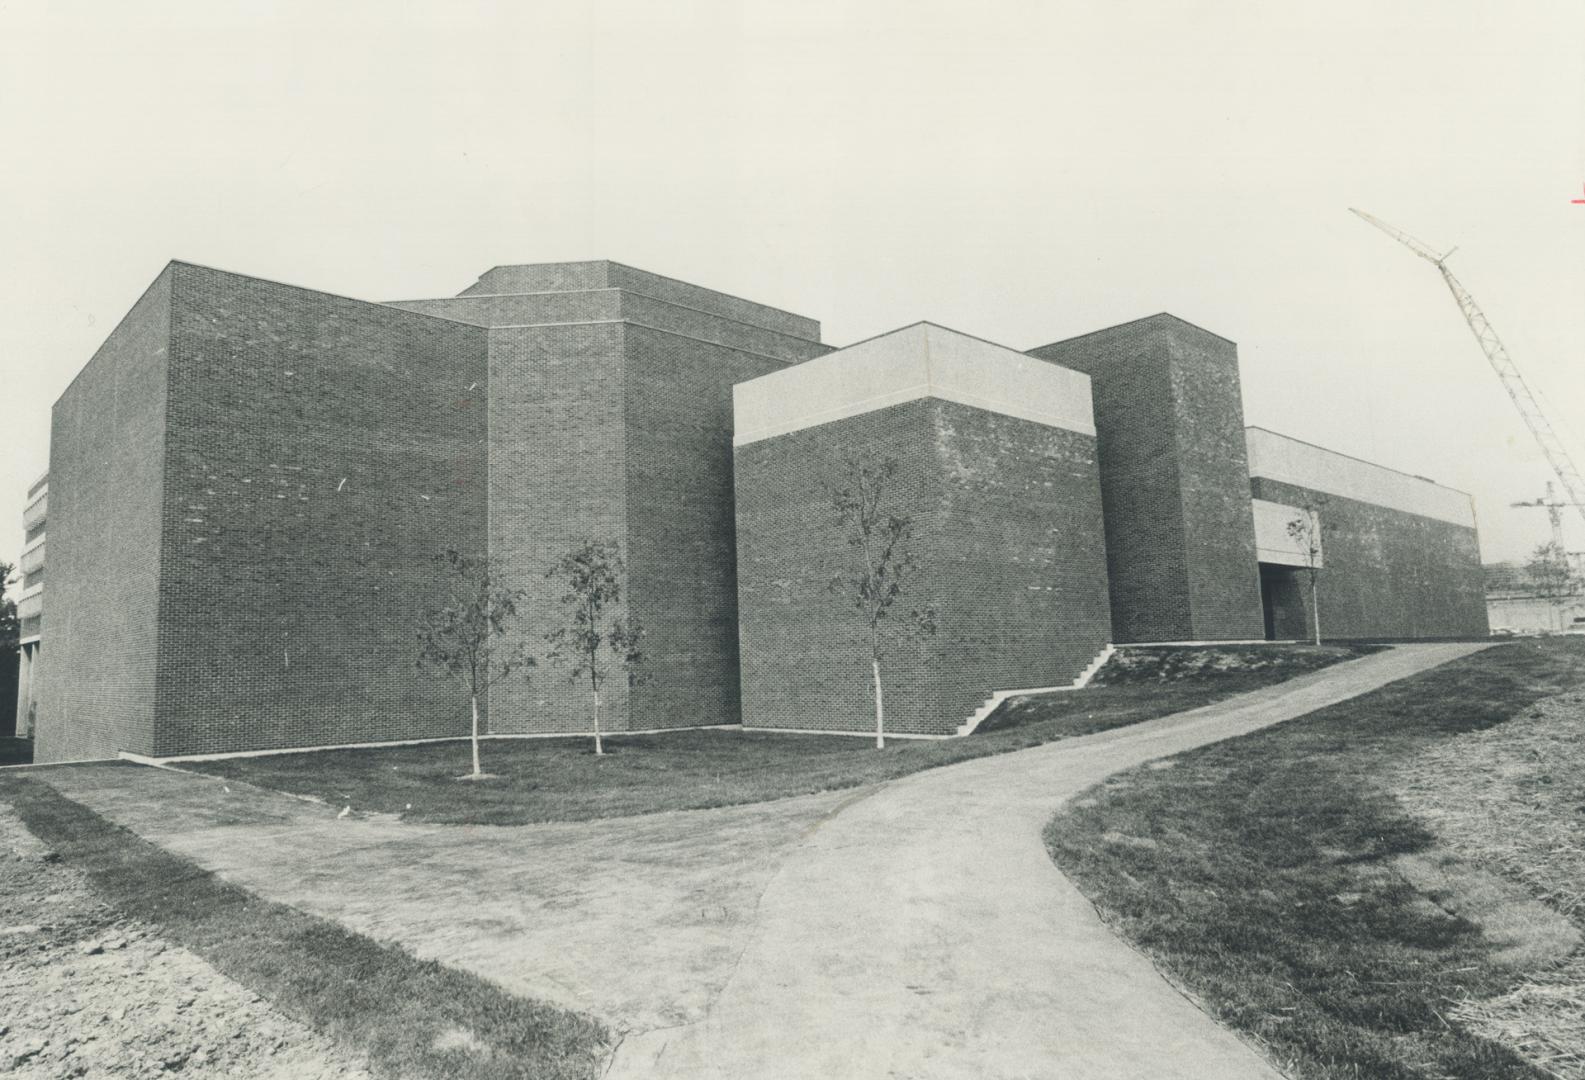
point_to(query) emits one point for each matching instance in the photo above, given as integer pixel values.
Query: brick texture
(96, 678)
(611, 431)
(320, 452)
(249, 481)
(1387, 574)
(1006, 525)
(619, 305)
(1174, 475)
(610, 419)
(680, 524)
(604, 274)
(558, 449)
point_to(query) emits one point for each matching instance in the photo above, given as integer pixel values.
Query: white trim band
(1290, 461)
(919, 361)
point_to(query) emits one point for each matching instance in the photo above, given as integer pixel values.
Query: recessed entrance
(1282, 602)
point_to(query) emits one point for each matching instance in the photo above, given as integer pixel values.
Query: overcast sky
(1020, 171)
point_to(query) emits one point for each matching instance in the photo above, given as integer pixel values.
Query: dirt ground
(1512, 799)
(86, 993)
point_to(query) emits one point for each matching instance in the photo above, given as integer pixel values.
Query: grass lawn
(562, 780)
(409, 1018)
(14, 751)
(1279, 879)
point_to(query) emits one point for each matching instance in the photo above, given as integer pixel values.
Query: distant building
(1516, 603)
(1521, 611)
(251, 479)
(30, 604)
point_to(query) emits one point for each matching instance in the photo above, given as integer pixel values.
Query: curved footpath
(923, 932)
(915, 929)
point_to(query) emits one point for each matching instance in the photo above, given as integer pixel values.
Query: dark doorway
(1282, 602)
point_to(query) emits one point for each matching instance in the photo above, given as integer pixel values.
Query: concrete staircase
(995, 700)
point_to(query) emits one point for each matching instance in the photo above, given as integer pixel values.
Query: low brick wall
(1388, 574)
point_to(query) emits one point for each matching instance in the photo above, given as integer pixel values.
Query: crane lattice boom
(1556, 454)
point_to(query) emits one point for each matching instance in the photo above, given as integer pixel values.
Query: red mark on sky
(1578, 202)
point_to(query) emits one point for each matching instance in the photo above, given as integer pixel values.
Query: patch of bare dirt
(1512, 799)
(1164, 664)
(87, 993)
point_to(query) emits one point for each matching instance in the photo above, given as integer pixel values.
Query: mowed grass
(539, 780)
(1263, 875)
(409, 1018)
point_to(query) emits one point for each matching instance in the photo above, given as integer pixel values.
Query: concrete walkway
(638, 921)
(916, 929)
(925, 932)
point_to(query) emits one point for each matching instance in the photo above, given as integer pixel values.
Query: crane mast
(1554, 512)
(1557, 454)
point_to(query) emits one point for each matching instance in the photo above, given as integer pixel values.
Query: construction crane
(1554, 512)
(1556, 454)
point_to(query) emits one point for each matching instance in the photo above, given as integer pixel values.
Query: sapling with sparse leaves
(467, 634)
(881, 565)
(1552, 578)
(596, 637)
(1305, 532)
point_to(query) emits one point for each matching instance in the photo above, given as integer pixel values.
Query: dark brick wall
(96, 680)
(680, 526)
(620, 432)
(1174, 474)
(618, 305)
(320, 452)
(528, 309)
(1006, 526)
(603, 274)
(1387, 574)
(557, 479)
(747, 337)
(541, 277)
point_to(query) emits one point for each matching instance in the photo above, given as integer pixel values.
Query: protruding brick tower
(1169, 419)
(610, 417)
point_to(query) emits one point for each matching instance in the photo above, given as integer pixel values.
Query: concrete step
(995, 700)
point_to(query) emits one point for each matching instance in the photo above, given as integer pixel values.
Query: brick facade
(611, 419)
(96, 679)
(247, 573)
(249, 482)
(1007, 529)
(320, 452)
(1174, 477)
(1387, 574)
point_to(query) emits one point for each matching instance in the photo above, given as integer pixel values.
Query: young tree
(882, 561)
(593, 575)
(467, 634)
(1305, 532)
(1549, 571)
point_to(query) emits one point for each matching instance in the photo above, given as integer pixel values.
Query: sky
(1022, 171)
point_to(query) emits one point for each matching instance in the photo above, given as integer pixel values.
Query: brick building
(997, 471)
(248, 483)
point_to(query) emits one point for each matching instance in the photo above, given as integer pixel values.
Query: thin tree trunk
(880, 706)
(598, 747)
(474, 698)
(1315, 610)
